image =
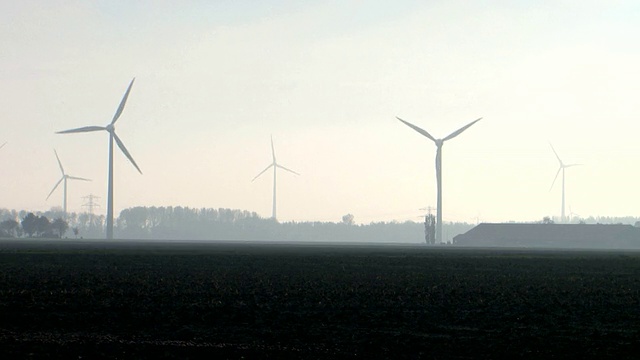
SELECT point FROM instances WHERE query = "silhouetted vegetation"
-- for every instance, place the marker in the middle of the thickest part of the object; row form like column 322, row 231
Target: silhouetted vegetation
column 348, row 219
column 29, row 224
column 547, row 220
column 59, row 227
column 32, row 225
column 12, row 224
column 228, row 224
column 184, row 223
column 10, row 228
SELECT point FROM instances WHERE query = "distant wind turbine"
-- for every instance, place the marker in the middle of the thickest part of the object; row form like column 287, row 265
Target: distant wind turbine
column 572, row 214
column 275, row 165
column 64, row 178
column 439, row 143
column 562, row 167
column 112, row 135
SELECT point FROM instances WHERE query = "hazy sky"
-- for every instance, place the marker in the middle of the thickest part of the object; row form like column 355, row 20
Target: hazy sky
column 214, row 79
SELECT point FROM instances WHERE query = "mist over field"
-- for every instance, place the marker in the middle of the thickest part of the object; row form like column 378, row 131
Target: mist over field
column 326, row 180
column 223, row 90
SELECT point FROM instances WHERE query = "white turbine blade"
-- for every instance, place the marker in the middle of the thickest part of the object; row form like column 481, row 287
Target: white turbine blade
column 1, row 146
column 555, row 178
column 421, row 131
column 122, row 103
column 262, row 172
column 459, row 131
column 273, row 151
column 59, row 163
column 83, row 129
column 557, row 157
column 570, row 165
column 124, row 150
column 284, row 168
column 55, row 187
column 78, row 178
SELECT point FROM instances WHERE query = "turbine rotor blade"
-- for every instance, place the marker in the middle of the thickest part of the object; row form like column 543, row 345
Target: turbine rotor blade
column 557, row 157
column 421, row 131
column 55, row 187
column 284, row 168
column 459, row 131
column 555, row 178
column 122, row 103
column 273, row 151
column 262, row 172
column 124, row 150
column 59, row 163
column 82, row 129
column 570, row 165
column 77, row 178
column 1, row 146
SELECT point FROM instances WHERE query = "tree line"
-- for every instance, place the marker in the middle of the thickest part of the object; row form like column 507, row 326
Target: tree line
column 49, row 224
column 33, row 226
column 184, row 223
column 175, row 223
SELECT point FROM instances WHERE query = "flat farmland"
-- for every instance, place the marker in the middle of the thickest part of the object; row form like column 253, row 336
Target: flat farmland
column 149, row 300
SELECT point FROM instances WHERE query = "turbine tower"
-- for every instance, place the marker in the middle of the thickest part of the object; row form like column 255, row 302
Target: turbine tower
column 439, row 143
column 64, row 178
column 112, row 136
column 275, row 165
column 561, row 168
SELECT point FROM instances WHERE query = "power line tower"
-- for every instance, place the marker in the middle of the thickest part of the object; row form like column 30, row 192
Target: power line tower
column 90, row 204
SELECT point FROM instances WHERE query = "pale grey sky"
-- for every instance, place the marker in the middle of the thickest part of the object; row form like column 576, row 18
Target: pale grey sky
column 215, row 79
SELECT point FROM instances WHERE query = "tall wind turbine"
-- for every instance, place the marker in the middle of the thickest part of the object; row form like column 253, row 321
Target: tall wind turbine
column 64, row 178
column 112, row 135
column 439, row 143
column 561, row 168
column 275, row 165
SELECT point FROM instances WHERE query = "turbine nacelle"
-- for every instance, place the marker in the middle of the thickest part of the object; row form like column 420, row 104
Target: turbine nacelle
column 560, row 169
column 63, row 180
column 439, row 143
column 110, row 128
column 274, row 164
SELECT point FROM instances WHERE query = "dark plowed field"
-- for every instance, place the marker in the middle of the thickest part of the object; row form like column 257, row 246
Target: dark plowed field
column 148, row 301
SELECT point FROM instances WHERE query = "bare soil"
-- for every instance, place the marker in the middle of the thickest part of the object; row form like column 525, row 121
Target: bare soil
column 191, row 300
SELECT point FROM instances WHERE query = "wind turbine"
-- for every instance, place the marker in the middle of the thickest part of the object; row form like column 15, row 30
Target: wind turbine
column 275, row 165
column 561, row 168
column 439, row 143
column 572, row 214
column 112, row 135
column 64, row 178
